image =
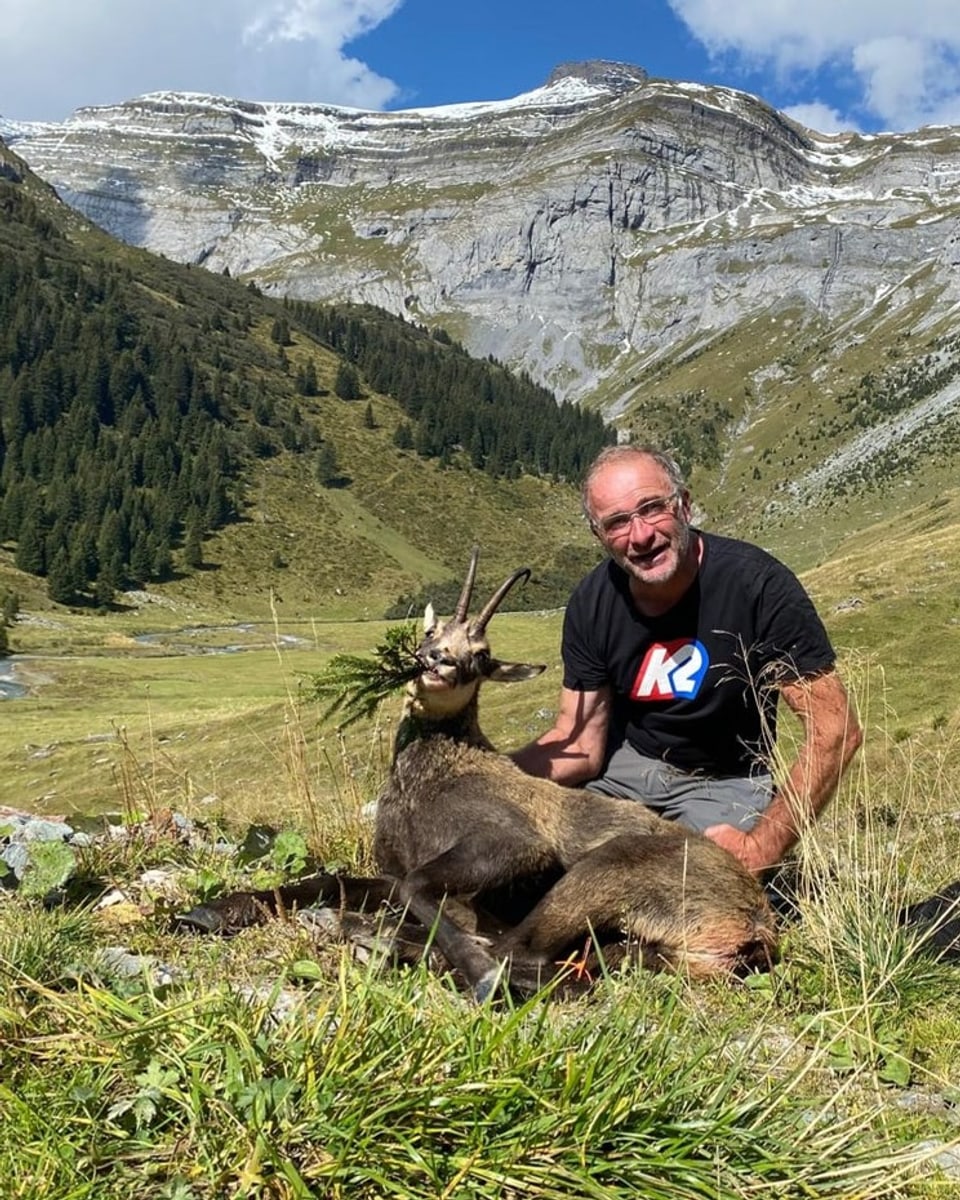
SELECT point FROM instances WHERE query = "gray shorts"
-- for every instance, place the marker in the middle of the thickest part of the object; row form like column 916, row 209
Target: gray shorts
column 697, row 801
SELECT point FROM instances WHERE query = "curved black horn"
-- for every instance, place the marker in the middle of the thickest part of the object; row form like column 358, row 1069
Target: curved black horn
column 491, row 606
column 463, row 604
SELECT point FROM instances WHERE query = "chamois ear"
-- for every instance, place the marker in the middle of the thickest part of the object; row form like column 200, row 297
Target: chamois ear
column 429, row 619
column 514, row 672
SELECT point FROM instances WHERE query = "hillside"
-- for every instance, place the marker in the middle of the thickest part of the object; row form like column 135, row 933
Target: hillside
column 162, row 426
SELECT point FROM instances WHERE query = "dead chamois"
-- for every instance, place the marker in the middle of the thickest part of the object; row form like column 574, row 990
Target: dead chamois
column 457, row 819
column 471, row 845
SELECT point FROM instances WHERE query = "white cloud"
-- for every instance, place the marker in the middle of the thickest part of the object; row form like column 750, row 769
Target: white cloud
column 60, row 54
column 818, row 116
column 902, row 56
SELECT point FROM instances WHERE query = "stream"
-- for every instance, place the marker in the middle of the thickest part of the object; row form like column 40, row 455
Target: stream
column 189, row 640
column 9, row 688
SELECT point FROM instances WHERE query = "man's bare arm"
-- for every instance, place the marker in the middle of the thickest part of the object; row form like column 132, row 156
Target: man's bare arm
column 573, row 750
column 831, row 737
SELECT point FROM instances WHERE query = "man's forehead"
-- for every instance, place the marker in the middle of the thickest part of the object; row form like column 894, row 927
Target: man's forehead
column 627, row 476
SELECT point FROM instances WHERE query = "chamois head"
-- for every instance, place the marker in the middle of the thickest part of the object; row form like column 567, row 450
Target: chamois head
column 455, row 654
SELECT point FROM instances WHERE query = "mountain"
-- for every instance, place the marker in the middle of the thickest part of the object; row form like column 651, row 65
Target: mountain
column 779, row 306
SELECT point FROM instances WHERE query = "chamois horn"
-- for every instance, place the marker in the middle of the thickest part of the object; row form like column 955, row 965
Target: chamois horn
column 463, row 604
column 480, row 624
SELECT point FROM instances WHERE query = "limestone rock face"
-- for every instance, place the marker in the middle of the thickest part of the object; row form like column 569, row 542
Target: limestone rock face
column 595, row 224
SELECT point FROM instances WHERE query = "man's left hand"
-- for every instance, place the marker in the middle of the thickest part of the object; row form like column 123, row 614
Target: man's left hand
column 742, row 844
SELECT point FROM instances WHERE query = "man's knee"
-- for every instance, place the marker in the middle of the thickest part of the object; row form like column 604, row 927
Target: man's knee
column 738, row 802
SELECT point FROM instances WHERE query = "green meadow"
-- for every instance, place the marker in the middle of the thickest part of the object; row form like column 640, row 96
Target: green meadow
column 274, row 1065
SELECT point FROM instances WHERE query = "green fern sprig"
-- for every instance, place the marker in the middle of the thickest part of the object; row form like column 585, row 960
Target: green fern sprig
column 354, row 686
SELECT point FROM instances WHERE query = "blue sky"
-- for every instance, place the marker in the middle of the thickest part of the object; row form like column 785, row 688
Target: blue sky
column 834, row 64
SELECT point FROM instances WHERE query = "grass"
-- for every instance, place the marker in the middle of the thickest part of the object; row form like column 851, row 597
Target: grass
column 213, row 728
column 269, row 1065
column 396, row 1088
column 273, row 1067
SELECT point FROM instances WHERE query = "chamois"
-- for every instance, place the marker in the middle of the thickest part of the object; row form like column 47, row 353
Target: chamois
column 459, row 827
column 456, row 819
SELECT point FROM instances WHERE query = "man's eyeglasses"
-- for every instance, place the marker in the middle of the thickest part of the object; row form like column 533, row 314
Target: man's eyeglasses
column 650, row 512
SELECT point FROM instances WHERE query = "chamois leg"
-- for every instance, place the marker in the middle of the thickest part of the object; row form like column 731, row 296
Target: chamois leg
column 688, row 903
column 227, row 914
column 470, row 866
column 383, row 938
column 490, row 854
column 463, row 951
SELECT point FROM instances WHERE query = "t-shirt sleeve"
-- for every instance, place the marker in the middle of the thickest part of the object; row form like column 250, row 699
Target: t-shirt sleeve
column 584, row 668
column 793, row 638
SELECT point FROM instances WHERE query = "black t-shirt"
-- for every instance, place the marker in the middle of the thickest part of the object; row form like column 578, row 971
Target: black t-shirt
column 697, row 686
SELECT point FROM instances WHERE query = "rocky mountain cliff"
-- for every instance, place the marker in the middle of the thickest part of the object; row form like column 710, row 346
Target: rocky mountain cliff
column 781, row 304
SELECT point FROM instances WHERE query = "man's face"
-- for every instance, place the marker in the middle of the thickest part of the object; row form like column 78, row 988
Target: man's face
column 640, row 518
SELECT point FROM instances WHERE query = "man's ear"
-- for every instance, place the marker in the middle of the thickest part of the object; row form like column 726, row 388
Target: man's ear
column 512, row 672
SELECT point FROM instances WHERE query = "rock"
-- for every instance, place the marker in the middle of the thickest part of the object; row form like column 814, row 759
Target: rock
column 944, row 1158
column 119, row 961
column 17, row 858
column 39, row 829
column 161, row 880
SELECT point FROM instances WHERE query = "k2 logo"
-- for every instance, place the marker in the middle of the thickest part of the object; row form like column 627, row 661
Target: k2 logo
column 671, row 671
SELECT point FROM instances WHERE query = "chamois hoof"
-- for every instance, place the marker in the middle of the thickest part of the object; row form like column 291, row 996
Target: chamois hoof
column 223, row 917
column 491, row 983
column 199, row 920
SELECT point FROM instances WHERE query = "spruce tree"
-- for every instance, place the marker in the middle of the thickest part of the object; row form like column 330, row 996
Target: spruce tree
column 347, row 383
column 30, row 555
column 280, row 333
column 60, row 579
column 193, row 546
column 307, row 382
column 9, row 607
column 327, row 468
column 103, row 591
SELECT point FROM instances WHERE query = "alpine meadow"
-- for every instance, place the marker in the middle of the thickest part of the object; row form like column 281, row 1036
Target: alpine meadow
column 267, row 375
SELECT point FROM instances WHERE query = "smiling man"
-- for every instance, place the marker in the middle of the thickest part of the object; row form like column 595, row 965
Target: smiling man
column 676, row 650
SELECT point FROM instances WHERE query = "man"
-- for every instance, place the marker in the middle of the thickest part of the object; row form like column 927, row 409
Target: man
column 675, row 650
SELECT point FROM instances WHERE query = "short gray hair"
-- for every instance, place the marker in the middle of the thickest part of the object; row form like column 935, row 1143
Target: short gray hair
column 609, row 454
